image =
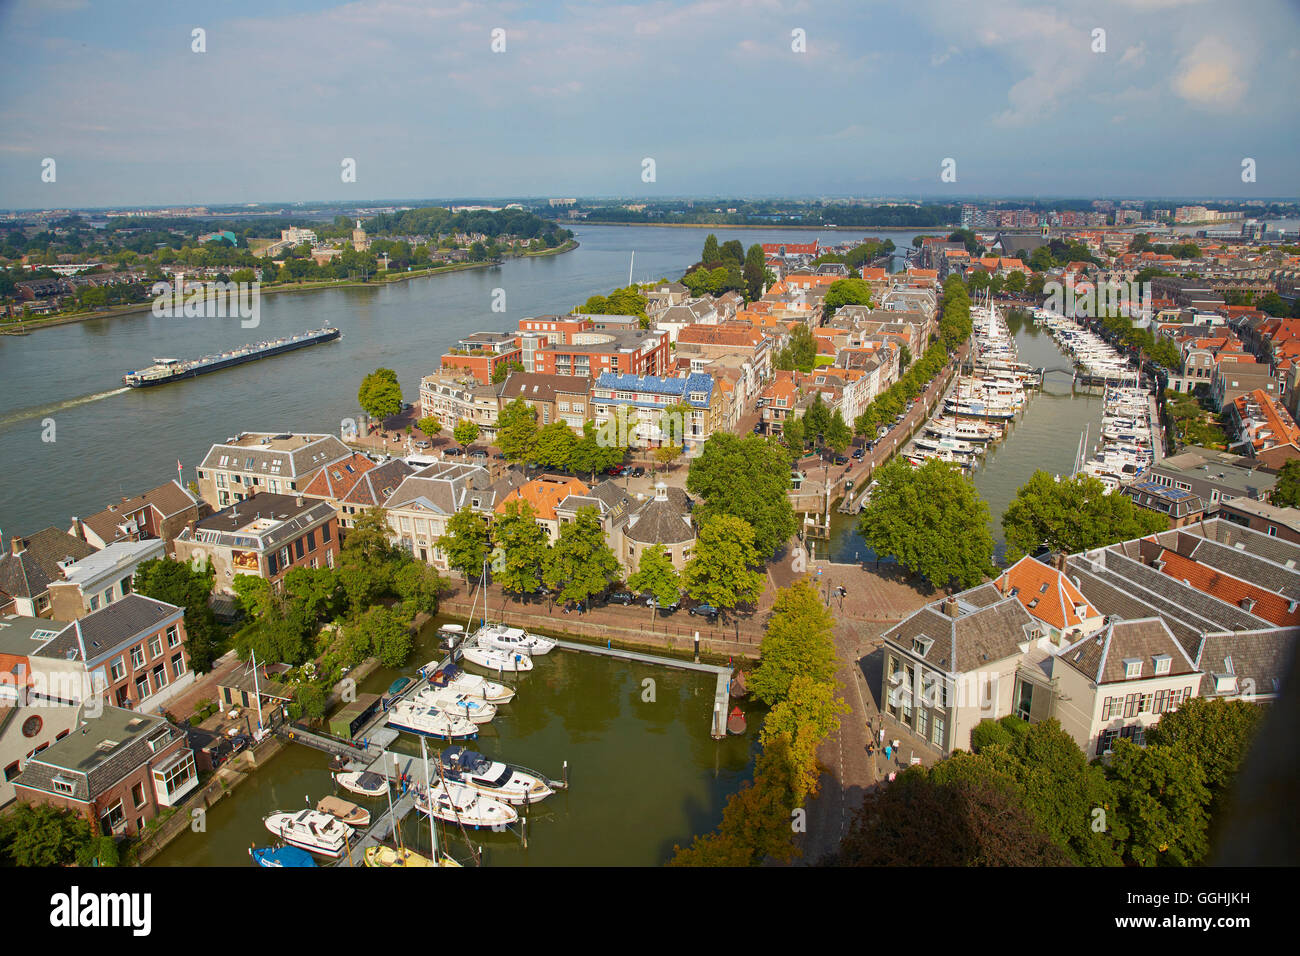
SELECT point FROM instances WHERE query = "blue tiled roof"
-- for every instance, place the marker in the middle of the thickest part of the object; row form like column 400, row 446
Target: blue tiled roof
column 658, row 384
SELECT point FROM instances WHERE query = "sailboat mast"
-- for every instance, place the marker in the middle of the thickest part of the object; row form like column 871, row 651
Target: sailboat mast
column 428, row 790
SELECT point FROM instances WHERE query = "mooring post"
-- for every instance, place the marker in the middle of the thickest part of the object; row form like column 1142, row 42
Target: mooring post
column 697, row 647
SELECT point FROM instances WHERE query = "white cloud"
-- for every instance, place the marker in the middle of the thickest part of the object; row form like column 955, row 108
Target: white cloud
column 1209, row 75
column 1137, row 55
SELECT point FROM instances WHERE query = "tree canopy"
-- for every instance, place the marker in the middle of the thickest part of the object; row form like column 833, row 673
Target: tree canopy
column 721, row 571
column 932, row 520
column 798, row 641
column 1072, row 515
column 380, row 396
column 746, row 477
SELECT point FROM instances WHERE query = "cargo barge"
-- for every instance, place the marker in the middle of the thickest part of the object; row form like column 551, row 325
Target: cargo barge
column 170, row 370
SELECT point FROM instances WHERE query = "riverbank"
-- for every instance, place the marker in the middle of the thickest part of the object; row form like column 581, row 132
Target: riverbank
column 766, row 225
column 135, row 308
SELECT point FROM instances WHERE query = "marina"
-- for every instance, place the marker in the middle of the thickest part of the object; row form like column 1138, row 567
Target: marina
column 584, row 706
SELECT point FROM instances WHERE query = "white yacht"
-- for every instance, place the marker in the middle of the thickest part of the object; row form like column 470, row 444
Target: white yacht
column 454, row 803
column 450, row 701
column 418, row 718
column 502, row 638
column 492, row 777
column 311, row 830
column 499, row 661
column 452, row 677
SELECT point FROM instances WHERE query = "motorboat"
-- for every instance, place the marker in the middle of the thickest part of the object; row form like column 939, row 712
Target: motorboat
column 363, row 783
column 311, row 830
column 450, row 701
column 402, row 856
column 455, row 803
column 416, row 718
column 964, row 430
column 277, row 857
column 450, row 635
column 492, row 777
column 499, row 661
column 502, row 638
column 953, row 445
column 452, row 677
column 345, row 810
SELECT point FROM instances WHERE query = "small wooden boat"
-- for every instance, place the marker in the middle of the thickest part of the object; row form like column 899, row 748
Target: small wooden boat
column 737, row 687
column 736, row 721
column 347, row 812
column 364, row 783
column 387, row 856
column 277, row 857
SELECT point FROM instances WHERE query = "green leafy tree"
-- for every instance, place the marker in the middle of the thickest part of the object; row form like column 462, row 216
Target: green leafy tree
column 1161, row 803
column 838, row 434
column 366, row 561
column 711, row 255
column 504, row 370
column 799, row 639
column 429, row 425
column 517, row 430
column 1286, row 493
column 809, row 712
column 581, row 564
column 555, row 446
column 799, row 352
column 755, row 272
column 189, row 586
column 1072, row 515
column 523, row 548
column 309, row 701
column 254, row 594
column 315, row 590
column 721, row 572
column 419, row 586
column 793, row 435
column 466, row 542
column 749, row 478
column 380, row 396
column 42, row 836
column 466, row 431
column 846, row 292
column 390, row 635
column 1218, row 733
column 656, row 575
column 932, row 520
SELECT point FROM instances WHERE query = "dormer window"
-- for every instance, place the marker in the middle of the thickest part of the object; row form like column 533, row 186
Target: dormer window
column 922, row 645
column 1132, row 668
column 1162, row 663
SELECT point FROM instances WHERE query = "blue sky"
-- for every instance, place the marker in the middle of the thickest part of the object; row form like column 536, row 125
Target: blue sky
column 712, row 90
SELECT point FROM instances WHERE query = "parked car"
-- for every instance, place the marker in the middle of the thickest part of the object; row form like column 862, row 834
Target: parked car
column 479, row 453
column 454, row 450
column 500, row 456
column 841, row 459
column 624, row 598
column 707, row 611
column 859, row 453
column 638, row 472
column 423, row 444
column 614, row 470
column 653, row 602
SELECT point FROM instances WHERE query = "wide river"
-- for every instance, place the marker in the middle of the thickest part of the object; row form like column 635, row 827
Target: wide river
column 65, row 383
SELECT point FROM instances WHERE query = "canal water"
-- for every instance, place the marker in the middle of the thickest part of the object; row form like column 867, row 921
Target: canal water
column 72, row 438
column 644, row 774
column 1046, row 436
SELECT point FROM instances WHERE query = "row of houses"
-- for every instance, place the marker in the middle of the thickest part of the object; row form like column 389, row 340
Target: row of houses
column 1105, row 641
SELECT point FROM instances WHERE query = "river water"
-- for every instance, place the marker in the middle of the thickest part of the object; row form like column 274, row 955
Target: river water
column 65, row 383
column 643, row 772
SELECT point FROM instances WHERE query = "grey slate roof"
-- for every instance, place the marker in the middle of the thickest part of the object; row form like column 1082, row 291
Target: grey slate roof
column 91, row 769
column 375, row 486
column 665, row 521
column 301, row 456
column 1100, row 657
column 102, row 632
column 988, row 628
column 29, row 573
column 1261, row 658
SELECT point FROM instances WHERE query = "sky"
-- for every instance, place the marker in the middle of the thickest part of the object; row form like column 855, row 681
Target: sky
column 727, row 97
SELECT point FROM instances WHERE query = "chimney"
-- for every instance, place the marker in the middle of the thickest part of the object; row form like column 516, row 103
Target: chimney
column 298, row 501
column 950, row 607
column 17, row 544
column 1058, row 561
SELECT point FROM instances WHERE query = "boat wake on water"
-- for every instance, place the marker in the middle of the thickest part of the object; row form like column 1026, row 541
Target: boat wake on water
column 49, row 408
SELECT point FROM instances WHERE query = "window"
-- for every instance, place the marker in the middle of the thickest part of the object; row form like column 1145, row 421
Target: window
column 1132, row 669
column 160, row 676
column 178, row 664
column 137, row 656
column 113, row 820
column 176, row 776
column 936, row 732
column 125, row 585
column 325, row 533
column 108, row 597
column 94, row 602
column 155, row 645
column 1162, row 663
column 137, row 795
column 299, row 547
column 11, row 771
column 311, row 540
column 63, row 784
column 1130, row 705
column 173, row 636
column 118, row 669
